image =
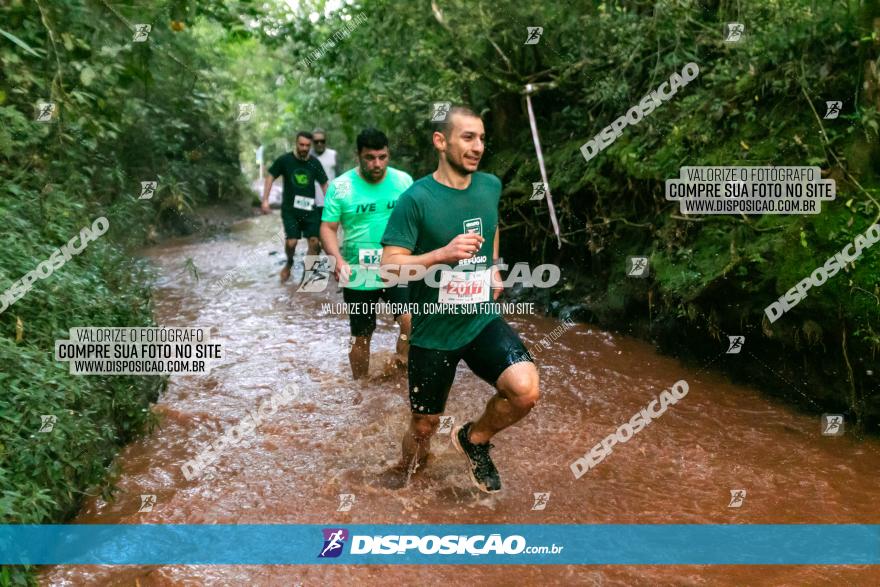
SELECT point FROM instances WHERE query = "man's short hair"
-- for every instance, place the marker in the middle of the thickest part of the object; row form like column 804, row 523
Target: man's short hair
column 304, row 133
column 319, row 131
column 371, row 138
column 445, row 126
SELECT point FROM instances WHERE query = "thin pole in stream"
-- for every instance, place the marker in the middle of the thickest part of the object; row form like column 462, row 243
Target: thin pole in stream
column 529, row 89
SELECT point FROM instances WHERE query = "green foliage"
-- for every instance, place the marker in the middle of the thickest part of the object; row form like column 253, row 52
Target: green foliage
column 126, row 112
column 759, row 102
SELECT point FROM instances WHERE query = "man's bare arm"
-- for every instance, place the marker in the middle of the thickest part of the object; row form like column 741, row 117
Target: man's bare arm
column 267, row 187
column 497, row 285
column 331, row 244
column 329, row 240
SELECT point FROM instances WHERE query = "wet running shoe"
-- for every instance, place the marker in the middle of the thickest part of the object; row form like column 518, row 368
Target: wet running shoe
column 480, row 466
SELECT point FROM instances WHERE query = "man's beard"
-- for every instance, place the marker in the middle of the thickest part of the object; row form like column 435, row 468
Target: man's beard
column 372, row 177
column 458, row 167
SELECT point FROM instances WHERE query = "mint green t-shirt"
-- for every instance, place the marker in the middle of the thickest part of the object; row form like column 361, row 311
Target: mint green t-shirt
column 363, row 209
column 427, row 216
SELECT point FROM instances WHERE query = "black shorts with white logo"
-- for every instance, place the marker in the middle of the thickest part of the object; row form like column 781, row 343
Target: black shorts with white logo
column 431, row 371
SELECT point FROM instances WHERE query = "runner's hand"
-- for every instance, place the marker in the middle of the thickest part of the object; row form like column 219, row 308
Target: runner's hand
column 342, row 271
column 264, row 208
column 464, row 246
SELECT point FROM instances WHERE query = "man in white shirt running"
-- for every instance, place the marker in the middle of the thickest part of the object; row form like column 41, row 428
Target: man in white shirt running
column 327, row 157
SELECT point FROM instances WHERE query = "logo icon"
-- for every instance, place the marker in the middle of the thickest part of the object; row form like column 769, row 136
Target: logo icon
column 346, row 500
column 733, row 32
column 334, row 540
column 47, row 423
column 46, row 111
column 147, row 503
column 832, row 424
column 141, row 32
column 539, row 190
column 832, row 109
column 637, row 267
column 474, row 225
column 343, row 188
column 439, row 111
column 446, row 424
column 148, row 189
column 245, row 112
column 737, row 498
column 316, row 278
column 541, row 500
column 534, row 35
column 736, row 344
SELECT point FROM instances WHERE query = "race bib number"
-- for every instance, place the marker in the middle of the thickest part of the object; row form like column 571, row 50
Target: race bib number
column 465, row 287
column 370, row 257
column 303, row 203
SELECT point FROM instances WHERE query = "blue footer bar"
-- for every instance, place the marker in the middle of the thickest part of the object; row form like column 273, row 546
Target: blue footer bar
column 294, row 544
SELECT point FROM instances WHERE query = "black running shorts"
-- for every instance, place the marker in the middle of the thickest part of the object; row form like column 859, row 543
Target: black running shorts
column 299, row 223
column 431, row 372
column 362, row 306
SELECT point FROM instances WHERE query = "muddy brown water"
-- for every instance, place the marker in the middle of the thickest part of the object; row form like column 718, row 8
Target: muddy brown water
column 338, row 436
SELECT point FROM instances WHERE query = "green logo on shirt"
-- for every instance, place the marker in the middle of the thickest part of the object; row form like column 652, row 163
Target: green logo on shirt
column 301, row 178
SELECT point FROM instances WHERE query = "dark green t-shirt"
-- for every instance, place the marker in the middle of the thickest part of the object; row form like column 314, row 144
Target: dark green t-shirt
column 299, row 181
column 428, row 215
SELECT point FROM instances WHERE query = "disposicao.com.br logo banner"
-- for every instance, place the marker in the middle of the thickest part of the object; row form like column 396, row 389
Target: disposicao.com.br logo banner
column 309, row 544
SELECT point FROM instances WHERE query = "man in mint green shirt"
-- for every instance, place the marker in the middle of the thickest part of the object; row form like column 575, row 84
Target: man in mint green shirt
column 361, row 201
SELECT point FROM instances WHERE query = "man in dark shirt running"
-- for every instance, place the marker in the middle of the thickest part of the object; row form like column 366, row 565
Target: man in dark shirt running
column 298, row 212
column 450, row 218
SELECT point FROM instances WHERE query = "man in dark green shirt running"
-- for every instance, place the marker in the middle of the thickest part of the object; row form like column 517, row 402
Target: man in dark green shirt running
column 299, row 214
column 450, row 218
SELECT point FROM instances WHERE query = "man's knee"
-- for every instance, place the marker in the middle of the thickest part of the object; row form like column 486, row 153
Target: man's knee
column 314, row 242
column 519, row 385
column 290, row 243
column 424, row 425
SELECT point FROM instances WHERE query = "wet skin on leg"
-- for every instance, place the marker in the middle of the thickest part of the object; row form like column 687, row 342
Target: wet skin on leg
column 289, row 248
column 314, row 249
column 416, row 444
column 359, row 356
column 516, row 396
column 405, row 323
column 417, row 439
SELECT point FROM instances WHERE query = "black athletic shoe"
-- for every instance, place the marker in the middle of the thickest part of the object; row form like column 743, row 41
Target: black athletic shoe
column 480, row 465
